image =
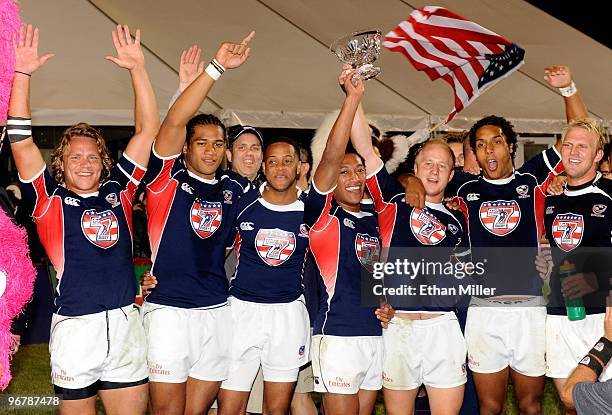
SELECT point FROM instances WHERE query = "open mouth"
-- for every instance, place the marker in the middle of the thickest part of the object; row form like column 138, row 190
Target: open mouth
column 492, row 164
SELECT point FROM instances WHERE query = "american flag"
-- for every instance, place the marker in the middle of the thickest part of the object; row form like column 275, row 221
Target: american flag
column 445, row 45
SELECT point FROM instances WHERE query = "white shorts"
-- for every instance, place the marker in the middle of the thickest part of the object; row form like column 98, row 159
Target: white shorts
column 109, row 346
column 184, row 342
column 273, row 336
column 346, row 364
column 430, row 352
column 498, row 337
column 567, row 342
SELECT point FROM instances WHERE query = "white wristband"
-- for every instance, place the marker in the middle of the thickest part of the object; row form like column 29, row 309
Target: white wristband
column 568, row 91
column 213, row 72
column 215, row 69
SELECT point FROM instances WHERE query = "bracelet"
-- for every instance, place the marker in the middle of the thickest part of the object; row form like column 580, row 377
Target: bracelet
column 592, row 364
column 215, row 69
column 602, row 350
column 18, row 129
column 569, row 90
column 23, row 73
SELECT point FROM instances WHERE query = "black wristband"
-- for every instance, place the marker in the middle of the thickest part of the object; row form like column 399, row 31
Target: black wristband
column 24, row 73
column 592, row 363
column 602, row 350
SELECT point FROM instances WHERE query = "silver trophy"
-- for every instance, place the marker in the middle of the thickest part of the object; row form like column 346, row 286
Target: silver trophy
column 359, row 49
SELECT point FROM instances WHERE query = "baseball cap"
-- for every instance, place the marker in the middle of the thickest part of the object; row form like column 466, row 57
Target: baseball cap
column 235, row 131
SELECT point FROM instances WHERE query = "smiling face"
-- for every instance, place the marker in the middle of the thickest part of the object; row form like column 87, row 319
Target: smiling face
column 246, row 155
column 434, row 167
column 580, row 155
column 493, row 152
column 82, row 165
column 281, row 166
column 351, row 182
column 205, row 151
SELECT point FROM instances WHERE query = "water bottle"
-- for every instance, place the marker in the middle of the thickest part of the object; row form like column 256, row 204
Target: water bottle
column 575, row 307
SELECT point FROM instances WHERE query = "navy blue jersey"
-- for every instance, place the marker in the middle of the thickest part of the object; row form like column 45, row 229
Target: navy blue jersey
column 509, row 213
column 88, row 238
column 579, row 227
column 342, row 244
column 191, row 222
column 271, row 247
column 402, row 226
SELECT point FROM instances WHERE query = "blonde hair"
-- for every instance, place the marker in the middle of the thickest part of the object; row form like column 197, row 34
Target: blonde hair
column 590, row 125
column 80, row 130
column 440, row 141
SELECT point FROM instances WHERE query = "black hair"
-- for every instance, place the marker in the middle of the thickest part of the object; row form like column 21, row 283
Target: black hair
column 204, row 119
column 351, row 150
column 506, row 127
column 287, row 140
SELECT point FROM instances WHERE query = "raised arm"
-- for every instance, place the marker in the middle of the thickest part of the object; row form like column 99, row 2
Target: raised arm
column 326, row 176
column 28, row 158
column 361, row 138
column 171, row 135
column 146, row 117
column 560, row 77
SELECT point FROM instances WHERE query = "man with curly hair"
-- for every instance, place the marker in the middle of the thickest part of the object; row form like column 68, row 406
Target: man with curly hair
column 83, row 214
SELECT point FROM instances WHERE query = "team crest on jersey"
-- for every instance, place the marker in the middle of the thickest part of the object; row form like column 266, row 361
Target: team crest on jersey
column 227, row 196
column 100, row 228
column 426, row 227
column 567, row 230
column 274, row 246
column 367, row 249
column 523, row 191
column 500, row 217
column 205, row 218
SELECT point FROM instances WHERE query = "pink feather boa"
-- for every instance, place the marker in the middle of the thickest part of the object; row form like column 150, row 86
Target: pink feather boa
column 9, row 25
column 17, row 269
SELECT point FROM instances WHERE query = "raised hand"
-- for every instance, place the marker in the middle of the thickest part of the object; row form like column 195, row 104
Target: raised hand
column 354, row 86
column 26, row 50
column 558, row 76
column 232, row 55
column 129, row 52
column 190, row 66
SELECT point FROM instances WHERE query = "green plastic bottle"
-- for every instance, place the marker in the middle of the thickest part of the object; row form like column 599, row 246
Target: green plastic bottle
column 575, row 307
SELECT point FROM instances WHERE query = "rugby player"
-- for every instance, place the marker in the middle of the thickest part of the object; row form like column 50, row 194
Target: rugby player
column 578, row 226
column 83, row 213
column 191, row 207
column 347, row 344
column 412, row 357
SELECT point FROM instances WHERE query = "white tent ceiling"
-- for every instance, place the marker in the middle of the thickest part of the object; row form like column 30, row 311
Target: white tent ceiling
column 290, row 79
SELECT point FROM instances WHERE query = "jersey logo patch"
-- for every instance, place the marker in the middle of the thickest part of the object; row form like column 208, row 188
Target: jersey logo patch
column 598, row 210
column 101, row 229
column 274, row 246
column 523, row 191
column 112, row 199
column 205, row 218
column 227, row 196
column 567, row 230
column 367, row 249
column 500, row 217
column 426, row 227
